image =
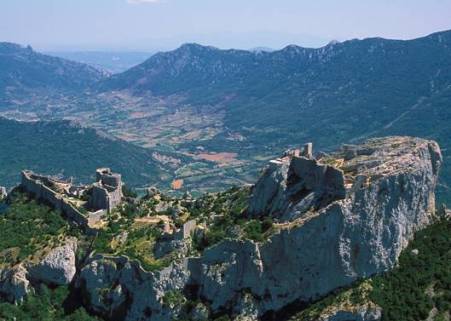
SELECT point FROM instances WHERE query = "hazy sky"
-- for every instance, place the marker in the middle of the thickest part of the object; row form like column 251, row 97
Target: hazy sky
column 164, row 24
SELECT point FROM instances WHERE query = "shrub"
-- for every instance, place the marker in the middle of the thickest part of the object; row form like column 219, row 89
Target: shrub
column 173, row 299
column 47, row 305
column 129, row 192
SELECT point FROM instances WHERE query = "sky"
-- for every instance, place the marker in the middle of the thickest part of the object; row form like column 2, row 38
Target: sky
column 150, row 25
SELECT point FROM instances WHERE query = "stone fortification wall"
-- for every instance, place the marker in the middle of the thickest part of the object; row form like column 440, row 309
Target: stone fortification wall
column 34, row 186
column 74, row 215
column 113, row 180
column 99, row 198
column 107, row 191
column 107, row 177
column 115, row 198
column 187, row 229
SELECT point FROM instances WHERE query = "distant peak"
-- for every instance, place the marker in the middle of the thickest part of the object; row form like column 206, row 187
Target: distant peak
column 13, row 47
column 333, row 43
column 294, row 49
column 262, row 49
column 195, row 47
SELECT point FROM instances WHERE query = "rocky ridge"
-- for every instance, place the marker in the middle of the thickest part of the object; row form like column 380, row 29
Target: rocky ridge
column 358, row 235
column 58, row 267
column 338, row 218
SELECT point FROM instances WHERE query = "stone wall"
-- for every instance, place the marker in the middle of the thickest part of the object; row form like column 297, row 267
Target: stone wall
column 99, row 198
column 42, row 192
column 292, row 186
column 115, row 198
column 74, row 215
column 186, row 230
column 107, row 191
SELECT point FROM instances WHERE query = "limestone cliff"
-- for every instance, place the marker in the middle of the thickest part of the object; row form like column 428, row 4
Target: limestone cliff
column 14, row 285
column 389, row 196
column 119, row 289
column 58, row 267
column 339, row 218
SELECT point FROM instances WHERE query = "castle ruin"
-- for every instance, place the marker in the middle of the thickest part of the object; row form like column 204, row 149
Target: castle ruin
column 83, row 205
column 106, row 192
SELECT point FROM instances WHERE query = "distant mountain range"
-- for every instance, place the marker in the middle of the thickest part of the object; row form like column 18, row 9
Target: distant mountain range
column 258, row 103
column 24, row 71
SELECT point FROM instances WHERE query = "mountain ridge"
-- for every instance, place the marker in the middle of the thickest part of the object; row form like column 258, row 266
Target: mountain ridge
column 162, row 258
column 25, row 73
column 203, row 100
column 196, row 49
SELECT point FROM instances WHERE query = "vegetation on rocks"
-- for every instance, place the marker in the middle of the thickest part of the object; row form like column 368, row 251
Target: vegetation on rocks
column 46, row 305
column 224, row 215
column 418, row 288
column 122, row 236
column 28, row 229
column 422, row 281
column 173, row 299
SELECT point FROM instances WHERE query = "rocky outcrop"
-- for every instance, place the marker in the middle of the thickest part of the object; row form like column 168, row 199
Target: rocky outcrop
column 200, row 312
column 3, row 193
column 291, row 186
column 341, row 218
column 120, row 289
column 389, row 195
column 354, row 304
column 14, row 285
column 58, row 266
column 164, row 247
column 359, row 315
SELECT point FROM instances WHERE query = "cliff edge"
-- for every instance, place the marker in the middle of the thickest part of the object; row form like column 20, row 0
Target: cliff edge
column 338, row 218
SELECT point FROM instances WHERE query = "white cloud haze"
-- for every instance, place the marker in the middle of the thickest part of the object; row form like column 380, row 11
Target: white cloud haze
column 153, row 25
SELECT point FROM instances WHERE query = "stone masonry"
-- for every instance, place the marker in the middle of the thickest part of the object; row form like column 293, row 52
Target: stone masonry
column 106, row 191
column 39, row 187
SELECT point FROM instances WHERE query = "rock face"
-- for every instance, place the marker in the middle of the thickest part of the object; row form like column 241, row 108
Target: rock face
column 121, row 290
column 291, row 186
column 3, row 193
column 317, row 251
column 14, row 285
column 360, row 315
column 340, row 218
column 58, row 267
